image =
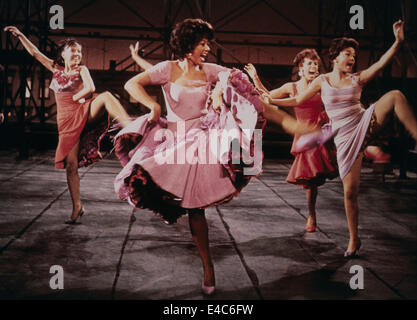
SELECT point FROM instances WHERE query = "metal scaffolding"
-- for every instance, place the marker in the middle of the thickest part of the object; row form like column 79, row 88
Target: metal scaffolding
column 32, row 17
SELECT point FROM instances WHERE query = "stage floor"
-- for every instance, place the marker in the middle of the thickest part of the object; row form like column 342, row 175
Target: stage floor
column 258, row 242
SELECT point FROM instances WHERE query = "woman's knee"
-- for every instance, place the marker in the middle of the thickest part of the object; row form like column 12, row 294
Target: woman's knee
column 71, row 167
column 107, row 96
column 351, row 193
column 397, row 95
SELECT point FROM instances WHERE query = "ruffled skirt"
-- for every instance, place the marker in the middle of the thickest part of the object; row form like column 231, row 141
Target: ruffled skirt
column 312, row 167
column 173, row 167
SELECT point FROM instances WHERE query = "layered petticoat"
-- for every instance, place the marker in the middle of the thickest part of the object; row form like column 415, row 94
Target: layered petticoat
column 170, row 167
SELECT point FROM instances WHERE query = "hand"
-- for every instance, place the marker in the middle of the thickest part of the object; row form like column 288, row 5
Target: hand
column 250, row 69
column 1, row 118
column 217, row 99
column 155, row 114
column 79, row 100
column 15, row 31
column 398, row 28
column 134, row 50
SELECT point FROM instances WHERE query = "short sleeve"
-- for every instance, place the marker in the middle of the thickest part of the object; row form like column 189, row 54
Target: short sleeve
column 160, row 73
column 212, row 71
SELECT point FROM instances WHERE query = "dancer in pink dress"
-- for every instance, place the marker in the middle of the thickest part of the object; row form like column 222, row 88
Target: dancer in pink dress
column 172, row 165
column 311, row 167
column 354, row 126
column 82, row 121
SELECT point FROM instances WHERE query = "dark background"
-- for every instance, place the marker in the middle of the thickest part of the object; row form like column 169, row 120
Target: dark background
column 267, row 33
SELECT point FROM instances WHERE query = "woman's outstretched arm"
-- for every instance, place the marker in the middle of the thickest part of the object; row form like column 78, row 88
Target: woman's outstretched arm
column 313, row 89
column 31, row 48
column 134, row 51
column 367, row 75
column 251, row 70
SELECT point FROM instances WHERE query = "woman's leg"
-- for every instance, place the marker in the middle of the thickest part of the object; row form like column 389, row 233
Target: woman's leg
column 395, row 101
column 73, row 180
column 351, row 190
column 106, row 101
column 288, row 123
column 311, row 194
column 199, row 232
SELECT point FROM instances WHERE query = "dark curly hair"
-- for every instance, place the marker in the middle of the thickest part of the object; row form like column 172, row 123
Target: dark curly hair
column 187, row 34
column 340, row 44
column 61, row 47
column 299, row 60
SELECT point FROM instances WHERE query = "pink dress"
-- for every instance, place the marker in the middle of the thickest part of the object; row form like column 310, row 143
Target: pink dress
column 312, row 167
column 171, row 166
column 348, row 117
column 72, row 118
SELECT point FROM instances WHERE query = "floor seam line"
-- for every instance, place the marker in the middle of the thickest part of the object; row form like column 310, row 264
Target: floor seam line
column 250, row 273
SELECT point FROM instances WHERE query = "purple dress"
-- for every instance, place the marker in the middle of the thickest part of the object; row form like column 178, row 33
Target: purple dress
column 347, row 115
column 171, row 166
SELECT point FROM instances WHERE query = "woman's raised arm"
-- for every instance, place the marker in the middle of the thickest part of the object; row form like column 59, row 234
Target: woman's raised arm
column 367, row 75
column 31, row 48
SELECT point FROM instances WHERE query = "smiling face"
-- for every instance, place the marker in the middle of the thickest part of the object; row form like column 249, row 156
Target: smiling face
column 346, row 59
column 72, row 55
column 309, row 69
column 200, row 52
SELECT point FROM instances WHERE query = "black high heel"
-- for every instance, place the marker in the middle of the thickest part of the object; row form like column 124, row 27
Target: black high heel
column 354, row 253
column 80, row 214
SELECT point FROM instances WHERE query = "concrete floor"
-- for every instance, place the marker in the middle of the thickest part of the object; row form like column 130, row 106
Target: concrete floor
column 258, row 243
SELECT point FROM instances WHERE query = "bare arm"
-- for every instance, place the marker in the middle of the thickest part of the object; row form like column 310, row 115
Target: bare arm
column 367, row 75
column 135, row 87
column 145, row 65
column 88, row 85
column 281, row 92
column 251, row 70
column 313, row 89
column 31, row 48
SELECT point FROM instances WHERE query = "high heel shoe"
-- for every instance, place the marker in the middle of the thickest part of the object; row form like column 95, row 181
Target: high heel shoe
column 376, row 154
column 80, row 214
column 313, row 139
column 311, row 227
column 354, row 253
column 207, row 290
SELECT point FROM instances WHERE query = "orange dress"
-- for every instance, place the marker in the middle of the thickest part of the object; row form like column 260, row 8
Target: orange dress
column 312, row 167
column 71, row 120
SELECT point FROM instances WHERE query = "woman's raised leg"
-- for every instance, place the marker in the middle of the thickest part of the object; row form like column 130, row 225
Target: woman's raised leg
column 107, row 102
column 395, row 101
